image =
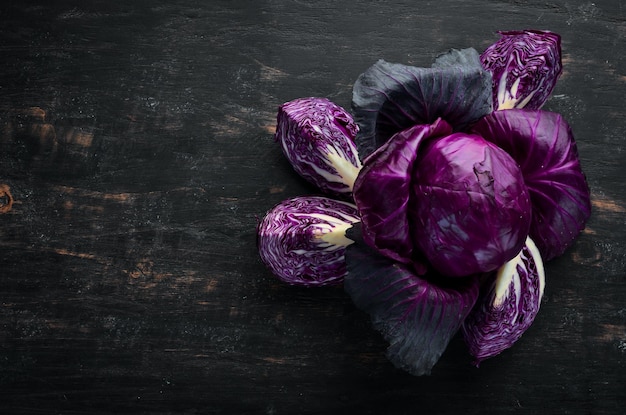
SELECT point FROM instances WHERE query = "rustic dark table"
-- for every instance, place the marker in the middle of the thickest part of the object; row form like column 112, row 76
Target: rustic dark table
column 136, row 156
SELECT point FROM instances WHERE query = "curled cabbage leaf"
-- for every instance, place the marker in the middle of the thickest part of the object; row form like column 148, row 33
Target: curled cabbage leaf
column 385, row 214
column 317, row 137
column 417, row 315
column 543, row 145
column 302, row 240
column 525, row 66
column 390, row 97
column 507, row 305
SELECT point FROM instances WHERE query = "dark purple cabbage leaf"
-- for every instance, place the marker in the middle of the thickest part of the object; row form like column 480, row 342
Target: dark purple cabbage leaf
column 543, row 145
column 390, row 97
column 525, row 66
column 417, row 316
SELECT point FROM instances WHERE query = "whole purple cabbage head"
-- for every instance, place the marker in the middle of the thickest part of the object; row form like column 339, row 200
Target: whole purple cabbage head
column 317, row 137
column 302, row 240
column 453, row 201
column 507, row 306
column 525, row 66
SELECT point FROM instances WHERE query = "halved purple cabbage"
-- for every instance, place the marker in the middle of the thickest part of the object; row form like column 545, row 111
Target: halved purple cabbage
column 416, row 315
column 508, row 304
column 543, row 145
column 454, row 199
column 388, row 98
column 317, row 137
column 525, row 66
column 302, row 240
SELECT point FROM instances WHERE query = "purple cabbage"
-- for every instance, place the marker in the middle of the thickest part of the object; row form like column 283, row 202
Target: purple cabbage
column 543, row 145
column 415, row 314
column 317, row 137
column 525, row 66
column 454, row 199
column 450, row 193
column 508, row 304
column 388, row 98
column 302, row 240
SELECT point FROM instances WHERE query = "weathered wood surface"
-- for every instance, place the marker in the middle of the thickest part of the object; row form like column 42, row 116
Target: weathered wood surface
column 136, row 155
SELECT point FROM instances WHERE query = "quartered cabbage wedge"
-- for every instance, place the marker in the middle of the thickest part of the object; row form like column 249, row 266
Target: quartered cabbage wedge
column 302, row 240
column 317, row 137
column 525, row 66
column 507, row 306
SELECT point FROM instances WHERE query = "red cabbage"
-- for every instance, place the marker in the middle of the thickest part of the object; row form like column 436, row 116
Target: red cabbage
column 456, row 200
column 451, row 193
column 470, row 209
column 317, row 137
column 525, row 66
column 507, row 306
column 543, row 145
column 302, row 240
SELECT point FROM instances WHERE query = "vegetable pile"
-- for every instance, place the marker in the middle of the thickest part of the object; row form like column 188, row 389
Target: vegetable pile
column 446, row 189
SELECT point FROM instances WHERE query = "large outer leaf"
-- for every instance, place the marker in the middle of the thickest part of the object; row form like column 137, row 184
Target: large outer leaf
column 416, row 316
column 388, row 98
column 385, row 213
column 543, row 145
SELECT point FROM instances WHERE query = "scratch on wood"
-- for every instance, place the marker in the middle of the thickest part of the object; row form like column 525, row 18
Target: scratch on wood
column 6, row 199
column 269, row 73
column 77, row 137
column 276, row 189
column 82, row 255
column 211, row 285
column 62, row 251
column 56, row 324
column 274, row 360
column 607, row 205
column 145, row 274
column 143, row 268
column 97, row 209
column 270, row 128
column 589, row 231
column 612, row 332
column 36, row 113
column 118, row 197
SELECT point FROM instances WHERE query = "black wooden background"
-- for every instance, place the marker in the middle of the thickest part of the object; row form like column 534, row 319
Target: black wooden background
column 136, row 156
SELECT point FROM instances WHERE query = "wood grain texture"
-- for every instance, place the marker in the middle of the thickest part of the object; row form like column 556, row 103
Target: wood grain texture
column 136, row 156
